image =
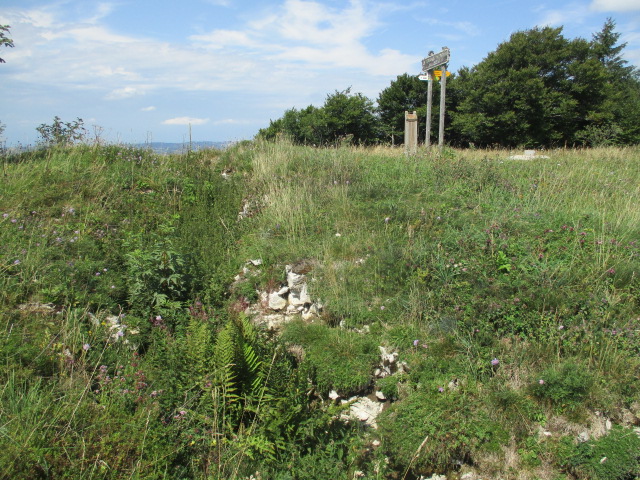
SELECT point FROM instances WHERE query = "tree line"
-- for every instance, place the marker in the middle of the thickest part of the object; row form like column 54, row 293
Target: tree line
column 538, row 89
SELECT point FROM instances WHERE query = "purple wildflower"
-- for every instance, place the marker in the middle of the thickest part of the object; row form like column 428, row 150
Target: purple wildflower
column 495, row 362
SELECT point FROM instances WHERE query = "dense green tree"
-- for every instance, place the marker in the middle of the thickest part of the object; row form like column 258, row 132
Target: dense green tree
column 409, row 93
column 343, row 117
column 4, row 40
column 405, row 93
column 304, row 126
column 350, row 116
column 621, row 124
column 605, row 48
column 536, row 89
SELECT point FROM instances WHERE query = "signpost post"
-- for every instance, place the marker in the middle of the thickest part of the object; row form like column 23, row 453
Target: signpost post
column 429, row 64
column 443, row 90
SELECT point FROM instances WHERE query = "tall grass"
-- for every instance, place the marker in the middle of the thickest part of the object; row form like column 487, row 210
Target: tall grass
column 126, row 354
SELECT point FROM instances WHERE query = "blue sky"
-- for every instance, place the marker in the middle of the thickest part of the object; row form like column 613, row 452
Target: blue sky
column 142, row 70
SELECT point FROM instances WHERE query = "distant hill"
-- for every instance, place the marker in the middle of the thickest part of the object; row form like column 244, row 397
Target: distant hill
column 163, row 147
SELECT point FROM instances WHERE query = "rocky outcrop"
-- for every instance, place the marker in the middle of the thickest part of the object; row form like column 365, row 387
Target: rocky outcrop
column 365, row 409
column 289, row 302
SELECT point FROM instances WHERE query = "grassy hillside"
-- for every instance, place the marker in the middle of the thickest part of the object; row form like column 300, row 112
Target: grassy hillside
column 509, row 288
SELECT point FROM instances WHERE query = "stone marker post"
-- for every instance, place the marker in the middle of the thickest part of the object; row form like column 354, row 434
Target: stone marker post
column 410, row 133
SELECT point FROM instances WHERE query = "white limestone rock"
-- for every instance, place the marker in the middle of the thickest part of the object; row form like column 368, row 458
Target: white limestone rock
column 366, row 411
column 276, row 302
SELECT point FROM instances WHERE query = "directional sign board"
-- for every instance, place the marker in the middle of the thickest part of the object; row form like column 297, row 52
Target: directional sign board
column 423, row 77
column 436, row 60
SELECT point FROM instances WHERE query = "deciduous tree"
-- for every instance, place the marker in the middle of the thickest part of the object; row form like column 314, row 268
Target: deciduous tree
column 536, row 89
column 4, row 40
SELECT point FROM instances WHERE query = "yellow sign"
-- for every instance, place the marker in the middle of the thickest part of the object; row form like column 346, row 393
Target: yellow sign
column 438, row 73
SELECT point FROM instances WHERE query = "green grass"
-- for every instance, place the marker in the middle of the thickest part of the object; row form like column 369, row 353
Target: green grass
column 475, row 256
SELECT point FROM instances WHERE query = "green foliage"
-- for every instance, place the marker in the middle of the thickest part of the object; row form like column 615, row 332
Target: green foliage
column 432, row 431
column 536, row 89
column 475, row 257
column 612, row 457
column 4, row 40
column 405, row 93
column 62, row 134
column 343, row 119
column 608, row 53
column 565, row 386
column 338, row 360
column 156, row 279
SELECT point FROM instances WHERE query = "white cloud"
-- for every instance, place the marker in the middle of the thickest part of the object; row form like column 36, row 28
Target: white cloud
column 292, row 54
column 225, row 38
column 615, row 5
column 150, row 108
column 125, row 92
column 308, row 34
column 572, row 13
column 186, row 121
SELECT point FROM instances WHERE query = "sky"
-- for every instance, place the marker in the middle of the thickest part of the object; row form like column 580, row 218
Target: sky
column 137, row 71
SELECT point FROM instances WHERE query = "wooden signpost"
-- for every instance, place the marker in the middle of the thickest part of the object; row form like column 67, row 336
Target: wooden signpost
column 429, row 64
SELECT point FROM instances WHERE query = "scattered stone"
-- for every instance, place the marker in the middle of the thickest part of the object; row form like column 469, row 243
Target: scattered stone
column 627, row 417
column 583, row 437
column 276, row 302
column 364, row 410
column 300, row 296
column 380, row 396
column 308, row 315
column 294, row 279
column 291, row 310
column 333, row 395
column 283, row 291
column 274, row 322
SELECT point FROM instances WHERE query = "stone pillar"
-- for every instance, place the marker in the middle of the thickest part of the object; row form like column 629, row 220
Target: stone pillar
column 410, row 133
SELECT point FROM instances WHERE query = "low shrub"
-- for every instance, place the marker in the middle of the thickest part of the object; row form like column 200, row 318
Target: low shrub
column 565, row 386
column 613, row 457
column 437, row 431
column 341, row 360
